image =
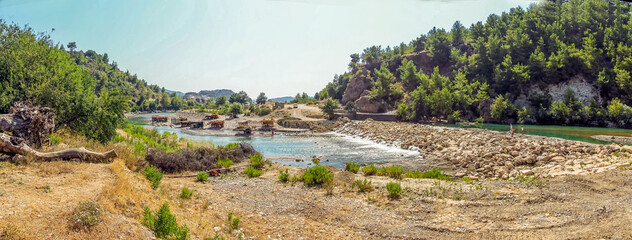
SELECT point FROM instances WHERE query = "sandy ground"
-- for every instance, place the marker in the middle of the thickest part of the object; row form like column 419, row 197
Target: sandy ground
column 569, row 207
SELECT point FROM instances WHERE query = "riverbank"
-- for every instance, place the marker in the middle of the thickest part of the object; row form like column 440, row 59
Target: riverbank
column 480, row 154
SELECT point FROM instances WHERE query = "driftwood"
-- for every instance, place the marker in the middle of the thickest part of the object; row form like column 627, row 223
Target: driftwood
column 34, row 124
column 15, row 145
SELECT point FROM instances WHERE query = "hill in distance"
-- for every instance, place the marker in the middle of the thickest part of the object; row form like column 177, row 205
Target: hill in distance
column 206, row 94
column 281, row 99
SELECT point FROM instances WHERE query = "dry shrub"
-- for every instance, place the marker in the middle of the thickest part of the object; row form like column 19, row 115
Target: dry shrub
column 202, row 158
column 85, row 216
column 13, row 232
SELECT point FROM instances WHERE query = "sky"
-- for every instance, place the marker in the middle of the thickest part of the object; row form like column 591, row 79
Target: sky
column 279, row 47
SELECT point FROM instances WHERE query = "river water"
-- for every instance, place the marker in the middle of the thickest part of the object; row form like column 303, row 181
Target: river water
column 333, row 149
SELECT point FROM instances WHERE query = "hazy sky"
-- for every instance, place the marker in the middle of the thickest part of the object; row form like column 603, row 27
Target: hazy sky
column 280, row 47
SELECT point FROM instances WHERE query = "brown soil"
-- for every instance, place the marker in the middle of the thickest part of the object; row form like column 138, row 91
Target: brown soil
column 570, row 207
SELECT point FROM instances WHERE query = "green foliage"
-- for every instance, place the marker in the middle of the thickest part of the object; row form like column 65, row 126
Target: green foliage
column 252, row 172
column 369, row 170
column 256, row 161
column 404, row 112
column 394, row 190
column 202, row 176
column 233, row 222
column 329, row 106
column 395, row 172
column 317, row 175
column 352, row 167
column 501, row 108
column 54, row 140
column 364, row 185
column 153, row 175
column 264, row 110
column 316, row 161
column 186, row 193
column 151, row 138
column 86, row 215
column 262, row 99
column 224, row 162
column 433, row 173
column 232, row 145
column 236, row 108
column 241, row 97
column 164, row 224
column 283, row 175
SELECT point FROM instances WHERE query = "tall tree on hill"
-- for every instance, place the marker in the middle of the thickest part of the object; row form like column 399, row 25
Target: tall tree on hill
column 262, row 99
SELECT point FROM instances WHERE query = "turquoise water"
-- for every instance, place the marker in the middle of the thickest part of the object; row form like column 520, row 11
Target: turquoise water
column 333, row 149
column 566, row 132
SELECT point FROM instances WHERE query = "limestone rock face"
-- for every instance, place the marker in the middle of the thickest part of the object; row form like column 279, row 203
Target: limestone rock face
column 358, row 83
column 364, row 104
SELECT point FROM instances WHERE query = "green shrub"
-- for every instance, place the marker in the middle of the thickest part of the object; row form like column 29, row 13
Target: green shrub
column 232, row 145
column 369, row 170
column 317, row 175
column 153, row 175
column 202, row 176
column 186, row 193
column 256, row 161
column 316, row 161
column 364, row 185
column 392, row 171
column 233, row 222
column 86, row 215
column 433, row 173
column 54, row 140
column 265, row 110
column 164, row 224
column 225, row 162
column 394, row 190
column 284, row 176
column 252, row 172
column 352, row 167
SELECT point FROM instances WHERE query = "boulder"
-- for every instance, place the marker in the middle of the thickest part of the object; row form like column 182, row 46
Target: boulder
column 364, row 104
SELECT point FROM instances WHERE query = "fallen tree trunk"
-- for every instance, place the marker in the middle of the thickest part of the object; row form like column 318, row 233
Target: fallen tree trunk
column 33, row 124
column 15, row 145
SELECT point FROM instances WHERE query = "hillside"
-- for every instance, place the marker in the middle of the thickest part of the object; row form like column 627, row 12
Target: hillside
column 281, row 99
column 207, row 94
column 565, row 62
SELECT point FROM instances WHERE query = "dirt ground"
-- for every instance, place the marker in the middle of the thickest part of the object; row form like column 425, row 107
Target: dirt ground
column 568, row 207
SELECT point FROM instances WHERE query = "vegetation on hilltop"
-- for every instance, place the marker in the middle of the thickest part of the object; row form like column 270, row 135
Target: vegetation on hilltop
column 481, row 71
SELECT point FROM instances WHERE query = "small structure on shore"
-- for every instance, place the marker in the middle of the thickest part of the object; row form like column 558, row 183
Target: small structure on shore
column 279, row 105
column 216, row 124
column 178, row 120
column 197, row 124
column 244, row 126
column 157, row 119
column 211, row 117
column 267, row 123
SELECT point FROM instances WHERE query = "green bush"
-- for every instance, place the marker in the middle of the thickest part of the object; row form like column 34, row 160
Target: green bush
column 252, row 172
column 284, row 176
column 256, row 161
column 394, row 190
column 153, row 175
column 202, row 176
column 317, row 175
column 433, row 173
column 392, row 171
column 186, row 193
column 369, row 170
column 316, row 161
column 232, row 145
column 54, row 140
column 265, row 110
column 364, row 185
column 86, row 215
column 225, row 162
column 233, row 222
column 164, row 224
column 352, row 167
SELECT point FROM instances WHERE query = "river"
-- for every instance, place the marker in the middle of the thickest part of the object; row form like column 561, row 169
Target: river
column 332, row 148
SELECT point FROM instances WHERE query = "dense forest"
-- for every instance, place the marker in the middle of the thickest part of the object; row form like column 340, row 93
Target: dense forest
column 496, row 70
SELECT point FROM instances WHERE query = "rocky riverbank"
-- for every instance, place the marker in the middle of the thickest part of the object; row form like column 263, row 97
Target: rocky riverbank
column 479, row 153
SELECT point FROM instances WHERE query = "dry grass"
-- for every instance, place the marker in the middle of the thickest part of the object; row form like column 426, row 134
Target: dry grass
column 13, row 232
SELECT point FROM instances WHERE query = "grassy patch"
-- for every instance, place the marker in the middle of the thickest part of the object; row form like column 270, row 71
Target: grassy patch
column 364, row 185
column 352, row 167
column 86, row 215
column 284, row 176
column 164, row 224
column 433, row 173
column 186, row 193
column 202, row 176
column 394, row 190
column 369, row 170
column 224, row 162
column 153, row 175
column 395, row 172
column 233, row 222
column 317, row 175
column 256, row 161
column 252, row 172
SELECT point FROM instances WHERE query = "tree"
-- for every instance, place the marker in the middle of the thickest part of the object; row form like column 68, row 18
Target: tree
column 235, row 109
column 72, row 46
column 329, row 106
column 501, row 108
column 355, row 58
column 240, row 97
column 220, row 101
column 261, row 99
